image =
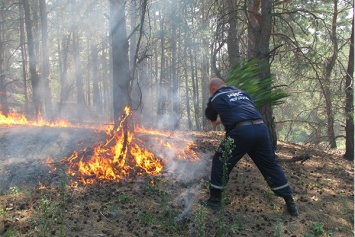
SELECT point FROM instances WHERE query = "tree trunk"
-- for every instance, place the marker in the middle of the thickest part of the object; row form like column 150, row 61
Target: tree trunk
column 330, row 63
column 175, row 115
column 161, row 87
column 205, row 78
column 45, row 65
column 187, row 88
column 79, row 84
column 232, row 40
column 89, row 69
column 63, row 49
column 120, row 60
column 349, row 101
column 107, row 93
column 133, row 38
column 259, row 31
column 35, row 79
column 95, row 82
column 195, row 90
column 80, row 97
column 3, row 94
column 24, row 58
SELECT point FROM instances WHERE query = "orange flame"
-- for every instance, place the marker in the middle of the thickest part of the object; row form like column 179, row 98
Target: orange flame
column 122, row 154
column 20, row 119
column 115, row 159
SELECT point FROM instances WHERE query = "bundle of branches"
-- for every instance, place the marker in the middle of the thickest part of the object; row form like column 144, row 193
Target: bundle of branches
column 245, row 75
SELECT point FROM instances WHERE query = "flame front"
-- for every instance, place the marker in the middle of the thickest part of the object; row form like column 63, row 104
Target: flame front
column 117, row 158
column 122, row 154
column 20, row 119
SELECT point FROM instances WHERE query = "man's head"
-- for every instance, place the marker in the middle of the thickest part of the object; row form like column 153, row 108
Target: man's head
column 216, row 84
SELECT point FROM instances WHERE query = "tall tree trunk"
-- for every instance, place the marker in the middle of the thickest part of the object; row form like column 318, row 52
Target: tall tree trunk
column 3, row 94
column 349, row 101
column 107, row 95
column 63, row 49
column 35, row 79
column 196, row 90
column 161, row 87
column 175, row 115
column 120, row 60
column 330, row 62
column 205, row 78
column 87, row 82
column 23, row 58
column 63, row 42
column 206, row 65
column 45, row 62
column 95, row 81
column 232, row 40
column 259, row 31
column 80, row 97
column 133, row 38
column 187, row 88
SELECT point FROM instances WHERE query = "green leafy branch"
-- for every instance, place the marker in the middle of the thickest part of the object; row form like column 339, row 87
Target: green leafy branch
column 245, row 75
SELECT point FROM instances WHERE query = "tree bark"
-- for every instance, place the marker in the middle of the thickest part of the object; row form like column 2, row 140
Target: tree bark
column 330, row 63
column 176, row 114
column 120, row 60
column 3, row 94
column 259, row 31
column 161, row 87
column 232, row 38
column 80, row 97
column 23, row 58
column 187, row 88
column 349, row 101
column 45, row 62
column 35, row 79
column 95, row 81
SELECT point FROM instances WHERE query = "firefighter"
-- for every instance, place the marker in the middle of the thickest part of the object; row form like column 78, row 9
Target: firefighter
column 243, row 123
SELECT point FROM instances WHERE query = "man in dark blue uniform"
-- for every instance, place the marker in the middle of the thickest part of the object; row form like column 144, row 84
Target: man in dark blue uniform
column 243, row 123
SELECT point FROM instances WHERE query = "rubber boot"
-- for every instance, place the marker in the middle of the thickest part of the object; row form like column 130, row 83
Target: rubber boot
column 214, row 201
column 291, row 206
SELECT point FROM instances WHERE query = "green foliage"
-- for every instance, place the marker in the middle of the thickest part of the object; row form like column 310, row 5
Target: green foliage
column 226, row 155
column 245, row 75
column 200, row 220
column 317, row 229
column 278, row 231
column 235, row 229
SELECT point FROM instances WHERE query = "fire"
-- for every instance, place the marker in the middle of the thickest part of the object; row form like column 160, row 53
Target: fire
column 20, row 119
column 13, row 118
column 123, row 154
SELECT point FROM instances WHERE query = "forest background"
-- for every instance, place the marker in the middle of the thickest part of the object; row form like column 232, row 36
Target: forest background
column 86, row 60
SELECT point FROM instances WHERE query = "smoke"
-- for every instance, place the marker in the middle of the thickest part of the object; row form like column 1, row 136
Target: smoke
column 191, row 174
column 25, row 150
column 188, row 197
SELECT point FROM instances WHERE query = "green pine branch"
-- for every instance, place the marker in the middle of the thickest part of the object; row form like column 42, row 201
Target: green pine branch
column 245, row 75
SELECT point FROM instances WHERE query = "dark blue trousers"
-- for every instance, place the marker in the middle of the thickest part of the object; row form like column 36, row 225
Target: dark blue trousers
column 253, row 140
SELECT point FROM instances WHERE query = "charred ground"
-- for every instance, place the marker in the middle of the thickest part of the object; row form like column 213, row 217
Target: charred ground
column 166, row 205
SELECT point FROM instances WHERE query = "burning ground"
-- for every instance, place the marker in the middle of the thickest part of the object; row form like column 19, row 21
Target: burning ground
column 45, row 192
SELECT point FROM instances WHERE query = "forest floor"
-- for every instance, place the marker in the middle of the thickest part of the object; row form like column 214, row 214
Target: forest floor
column 37, row 201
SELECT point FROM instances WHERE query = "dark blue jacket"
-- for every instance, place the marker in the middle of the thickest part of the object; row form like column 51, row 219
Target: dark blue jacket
column 232, row 105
